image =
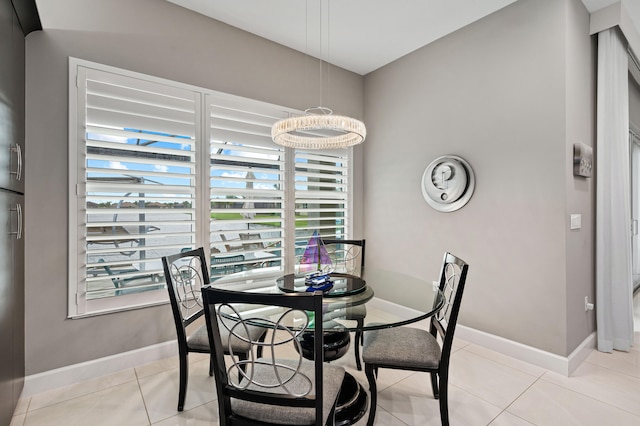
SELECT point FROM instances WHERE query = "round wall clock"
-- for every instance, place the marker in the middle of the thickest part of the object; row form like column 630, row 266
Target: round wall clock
column 448, row 183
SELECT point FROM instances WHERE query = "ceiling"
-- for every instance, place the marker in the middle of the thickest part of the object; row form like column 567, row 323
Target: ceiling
column 359, row 35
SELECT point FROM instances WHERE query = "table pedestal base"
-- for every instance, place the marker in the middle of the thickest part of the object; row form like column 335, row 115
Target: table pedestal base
column 352, row 402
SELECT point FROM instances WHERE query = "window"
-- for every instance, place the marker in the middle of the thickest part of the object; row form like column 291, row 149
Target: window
column 247, row 188
column 157, row 167
column 321, row 194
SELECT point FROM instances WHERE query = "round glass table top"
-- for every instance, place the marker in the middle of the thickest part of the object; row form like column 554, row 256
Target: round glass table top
column 343, row 284
column 355, row 308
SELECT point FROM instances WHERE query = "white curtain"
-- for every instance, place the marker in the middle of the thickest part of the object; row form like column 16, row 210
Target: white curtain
column 614, row 302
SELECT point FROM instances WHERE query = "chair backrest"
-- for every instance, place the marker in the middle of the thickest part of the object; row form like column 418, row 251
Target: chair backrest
column 347, row 255
column 287, row 385
column 452, row 281
column 186, row 273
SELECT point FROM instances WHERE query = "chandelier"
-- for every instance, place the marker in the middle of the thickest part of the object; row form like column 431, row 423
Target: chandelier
column 318, row 128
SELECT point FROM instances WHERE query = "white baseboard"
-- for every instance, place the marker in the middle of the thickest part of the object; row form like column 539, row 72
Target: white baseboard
column 71, row 374
column 535, row 356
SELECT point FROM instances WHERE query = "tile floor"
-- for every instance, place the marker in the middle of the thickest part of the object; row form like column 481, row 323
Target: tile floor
column 486, row 388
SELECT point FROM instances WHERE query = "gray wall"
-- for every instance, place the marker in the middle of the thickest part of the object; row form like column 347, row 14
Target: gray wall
column 163, row 40
column 580, row 127
column 510, row 94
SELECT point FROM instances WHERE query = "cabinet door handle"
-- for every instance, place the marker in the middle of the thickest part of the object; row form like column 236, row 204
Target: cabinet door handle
column 18, row 233
column 18, row 172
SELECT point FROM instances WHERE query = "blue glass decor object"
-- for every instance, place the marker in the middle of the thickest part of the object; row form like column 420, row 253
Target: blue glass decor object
column 324, row 287
column 318, row 280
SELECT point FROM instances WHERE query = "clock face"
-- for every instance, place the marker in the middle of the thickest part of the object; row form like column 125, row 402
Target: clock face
column 448, row 183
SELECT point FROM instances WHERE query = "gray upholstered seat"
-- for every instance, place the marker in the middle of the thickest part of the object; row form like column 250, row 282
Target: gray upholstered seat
column 419, row 348
column 332, row 380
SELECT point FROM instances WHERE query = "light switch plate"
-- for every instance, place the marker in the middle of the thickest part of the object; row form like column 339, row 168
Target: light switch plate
column 576, row 221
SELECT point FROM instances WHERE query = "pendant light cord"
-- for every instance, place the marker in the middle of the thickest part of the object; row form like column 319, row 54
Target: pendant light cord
column 321, row 53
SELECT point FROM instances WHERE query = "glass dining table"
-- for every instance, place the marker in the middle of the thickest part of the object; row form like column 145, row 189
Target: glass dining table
column 349, row 305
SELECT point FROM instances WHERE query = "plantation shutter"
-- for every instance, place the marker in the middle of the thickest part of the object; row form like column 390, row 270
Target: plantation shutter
column 139, row 180
column 247, row 187
column 157, row 167
column 321, row 194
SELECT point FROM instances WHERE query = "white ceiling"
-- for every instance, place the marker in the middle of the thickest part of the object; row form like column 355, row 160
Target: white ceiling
column 359, row 35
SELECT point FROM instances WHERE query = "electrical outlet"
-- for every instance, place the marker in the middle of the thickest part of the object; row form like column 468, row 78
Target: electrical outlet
column 587, row 306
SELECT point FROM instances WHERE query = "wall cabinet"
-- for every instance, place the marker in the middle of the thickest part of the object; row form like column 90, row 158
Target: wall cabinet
column 12, row 62
column 11, row 302
column 12, row 138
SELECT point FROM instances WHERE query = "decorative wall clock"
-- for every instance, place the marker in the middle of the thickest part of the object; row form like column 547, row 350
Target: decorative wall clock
column 448, row 183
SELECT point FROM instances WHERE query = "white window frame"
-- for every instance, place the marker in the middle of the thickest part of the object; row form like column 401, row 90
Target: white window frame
column 78, row 306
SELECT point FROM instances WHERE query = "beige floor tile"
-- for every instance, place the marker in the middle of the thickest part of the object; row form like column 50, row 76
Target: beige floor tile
column 156, row 367
column 388, row 377
column 424, row 324
column 204, row 415
column 507, row 419
column 118, row 406
column 408, row 402
column 167, row 364
column 160, row 391
column 494, row 382
column 83, row 388
column 377, row 315
column 604, row 390
column 622, row 362
column 383, row 418
column 566, row 407
column 459, row 344
column 522, row 366
column 603, row 384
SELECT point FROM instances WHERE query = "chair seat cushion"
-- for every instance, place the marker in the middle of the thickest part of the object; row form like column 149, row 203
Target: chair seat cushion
column 401, row 347
column 199, row 340
column 332, row 381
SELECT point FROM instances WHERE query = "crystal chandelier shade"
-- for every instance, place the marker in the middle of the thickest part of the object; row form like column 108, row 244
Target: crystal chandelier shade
column 289, row 132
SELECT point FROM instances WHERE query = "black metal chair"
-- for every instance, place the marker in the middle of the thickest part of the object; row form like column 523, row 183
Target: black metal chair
column 348, row 257
column 408, row 348
column 186, row 274
column 273, row 389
